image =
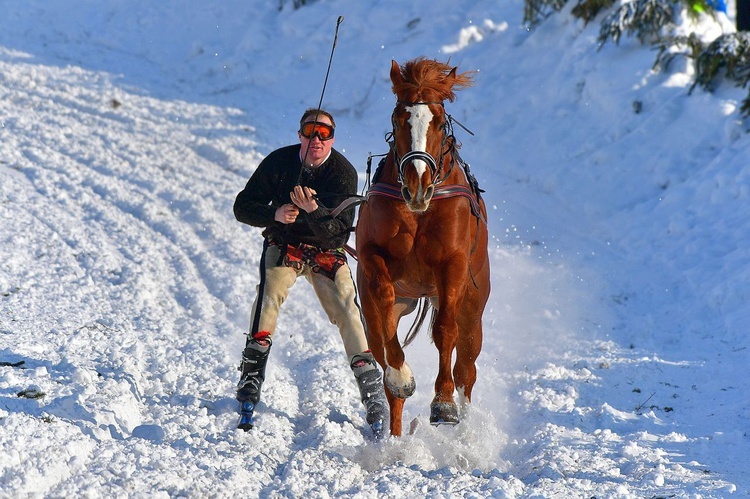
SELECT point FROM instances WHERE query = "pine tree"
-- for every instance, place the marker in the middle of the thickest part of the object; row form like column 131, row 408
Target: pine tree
column 644, row 18
column 651, row 21
column 730, row 52
column 534, row 11
column 588, row 9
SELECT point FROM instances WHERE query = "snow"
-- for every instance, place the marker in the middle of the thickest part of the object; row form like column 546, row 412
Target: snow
column 616, row 348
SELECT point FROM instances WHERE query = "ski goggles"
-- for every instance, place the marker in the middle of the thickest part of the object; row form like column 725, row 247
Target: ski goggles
column 310, row 129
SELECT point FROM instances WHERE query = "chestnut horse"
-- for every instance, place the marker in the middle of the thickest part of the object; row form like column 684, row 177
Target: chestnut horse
column 422, row 235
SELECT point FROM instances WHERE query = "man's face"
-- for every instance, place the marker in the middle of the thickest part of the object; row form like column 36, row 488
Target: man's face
column 317, row 150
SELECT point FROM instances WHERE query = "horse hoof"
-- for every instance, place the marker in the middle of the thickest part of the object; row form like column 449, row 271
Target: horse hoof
column 401, row 383
column 402, row 391
column 443, row 413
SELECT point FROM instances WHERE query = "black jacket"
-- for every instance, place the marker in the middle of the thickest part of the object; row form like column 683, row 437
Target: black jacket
column 273, row 180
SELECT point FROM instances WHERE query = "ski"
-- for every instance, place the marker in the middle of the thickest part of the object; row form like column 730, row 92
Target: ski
column 246, row 416
column 377, row 430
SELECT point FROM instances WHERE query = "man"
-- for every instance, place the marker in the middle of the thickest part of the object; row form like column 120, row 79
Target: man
column 292, row 194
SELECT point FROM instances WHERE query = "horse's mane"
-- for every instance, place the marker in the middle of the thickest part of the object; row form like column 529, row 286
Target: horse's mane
column 429, row 79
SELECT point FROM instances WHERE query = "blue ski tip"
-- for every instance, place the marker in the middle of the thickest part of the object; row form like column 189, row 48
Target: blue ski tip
column 377, row 430
column 246, row 416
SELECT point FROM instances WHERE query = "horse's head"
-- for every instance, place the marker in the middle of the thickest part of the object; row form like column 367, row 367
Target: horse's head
column 421, row 127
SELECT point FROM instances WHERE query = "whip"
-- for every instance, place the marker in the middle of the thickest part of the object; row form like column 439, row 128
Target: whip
column 325, row 83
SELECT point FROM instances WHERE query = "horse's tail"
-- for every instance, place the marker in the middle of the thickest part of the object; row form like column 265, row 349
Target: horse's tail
column 423, row 307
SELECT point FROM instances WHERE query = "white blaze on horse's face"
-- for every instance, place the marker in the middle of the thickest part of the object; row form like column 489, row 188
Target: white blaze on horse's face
column 419, row 119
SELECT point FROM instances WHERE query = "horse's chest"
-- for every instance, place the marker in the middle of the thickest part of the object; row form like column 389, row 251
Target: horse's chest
column 411, row 244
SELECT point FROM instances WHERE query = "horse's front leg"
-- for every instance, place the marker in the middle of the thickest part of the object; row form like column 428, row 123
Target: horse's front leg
column 378, row 299
column 399, row 377
column 469, row 343
column 443, row 409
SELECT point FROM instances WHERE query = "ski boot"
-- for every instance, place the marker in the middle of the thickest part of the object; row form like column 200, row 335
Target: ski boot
column 370, row 383
column 253, row 368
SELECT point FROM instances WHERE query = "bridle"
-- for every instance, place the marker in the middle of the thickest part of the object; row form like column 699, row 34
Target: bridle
column 393, row 192
column 436, row 166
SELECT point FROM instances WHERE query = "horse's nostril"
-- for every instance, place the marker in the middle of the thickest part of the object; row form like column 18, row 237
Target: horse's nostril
column 405, row 194
column 429, row 192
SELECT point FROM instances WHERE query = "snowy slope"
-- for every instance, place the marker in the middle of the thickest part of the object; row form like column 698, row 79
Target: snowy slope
column 615, row 338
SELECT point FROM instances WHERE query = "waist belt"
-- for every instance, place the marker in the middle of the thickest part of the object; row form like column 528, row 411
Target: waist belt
column 324, row 262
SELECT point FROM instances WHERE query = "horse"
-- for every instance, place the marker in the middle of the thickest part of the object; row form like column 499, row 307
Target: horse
column 421, row 240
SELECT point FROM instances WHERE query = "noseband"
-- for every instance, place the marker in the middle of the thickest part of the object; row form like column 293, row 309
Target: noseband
column 436, row 166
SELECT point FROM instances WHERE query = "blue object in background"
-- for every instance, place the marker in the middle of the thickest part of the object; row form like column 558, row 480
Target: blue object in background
column 718, row 5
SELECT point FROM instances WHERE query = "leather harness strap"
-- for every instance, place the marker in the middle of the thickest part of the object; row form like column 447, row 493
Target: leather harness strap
column 441, row 192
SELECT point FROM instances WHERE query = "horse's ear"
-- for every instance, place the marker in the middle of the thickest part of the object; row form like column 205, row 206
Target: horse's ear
column 459, row 81
column 396, row 77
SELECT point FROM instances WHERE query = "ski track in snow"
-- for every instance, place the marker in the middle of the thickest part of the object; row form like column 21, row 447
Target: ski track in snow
column 613, row 358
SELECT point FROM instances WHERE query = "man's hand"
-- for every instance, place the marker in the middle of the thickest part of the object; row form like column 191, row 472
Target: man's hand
column 286, row 214
column 304, row 198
